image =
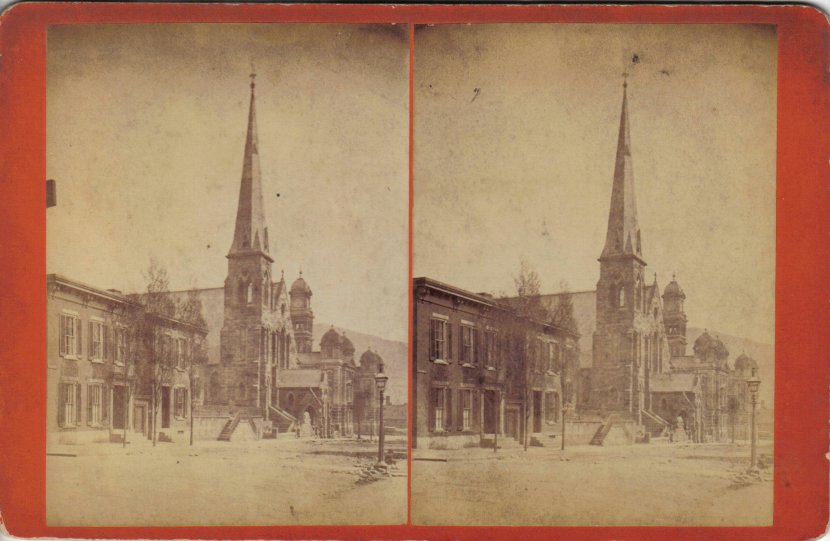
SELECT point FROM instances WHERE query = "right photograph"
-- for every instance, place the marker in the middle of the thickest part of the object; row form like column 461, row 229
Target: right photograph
column 594, row 275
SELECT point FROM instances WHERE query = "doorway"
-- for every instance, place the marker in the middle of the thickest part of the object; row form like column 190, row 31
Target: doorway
column 491, row 412
column 119, row 407
column 140, row 418
column 165, row 407
column 537, row 411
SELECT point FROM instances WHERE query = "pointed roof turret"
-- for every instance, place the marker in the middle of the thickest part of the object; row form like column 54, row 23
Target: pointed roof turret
column 623, row 236
column 251, row 232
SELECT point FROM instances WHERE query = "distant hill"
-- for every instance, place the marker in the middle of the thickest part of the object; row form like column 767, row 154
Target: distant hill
column 764, row 355
column 395, row 357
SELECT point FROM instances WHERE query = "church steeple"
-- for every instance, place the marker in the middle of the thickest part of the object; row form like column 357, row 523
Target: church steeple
column 251, row 232
column 623, row 236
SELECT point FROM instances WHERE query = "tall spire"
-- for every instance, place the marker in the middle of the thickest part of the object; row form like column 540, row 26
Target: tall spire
column 623, row 236
column 251, row 232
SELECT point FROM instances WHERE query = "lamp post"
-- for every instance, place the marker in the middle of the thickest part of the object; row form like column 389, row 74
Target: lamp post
column 753, row 383
column 380, row 383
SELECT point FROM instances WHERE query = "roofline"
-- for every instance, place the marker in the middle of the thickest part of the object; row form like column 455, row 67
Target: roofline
column 120, row 298
column 493, row 303
column 457, row 291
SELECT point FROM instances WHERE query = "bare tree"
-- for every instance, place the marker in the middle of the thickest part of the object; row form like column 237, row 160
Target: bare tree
column 153, row 351
column 189, row 310
column 519, row 327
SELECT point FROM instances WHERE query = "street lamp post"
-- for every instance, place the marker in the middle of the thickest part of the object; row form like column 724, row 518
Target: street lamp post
column 380, row 383
column 753, row 383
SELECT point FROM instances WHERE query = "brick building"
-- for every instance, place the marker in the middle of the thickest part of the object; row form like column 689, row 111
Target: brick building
column 468, row 385
column 100, row 381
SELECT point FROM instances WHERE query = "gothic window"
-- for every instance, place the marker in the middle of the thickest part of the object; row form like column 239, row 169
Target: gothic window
column 639, row 247
column 250, row 292
column 620, row 295
column 655, row 312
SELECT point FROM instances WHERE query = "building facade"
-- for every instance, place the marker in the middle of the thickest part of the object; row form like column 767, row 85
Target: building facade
column 101, row 382
column 470, row 385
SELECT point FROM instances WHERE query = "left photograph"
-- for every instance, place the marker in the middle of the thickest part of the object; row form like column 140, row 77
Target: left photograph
column 227, row 274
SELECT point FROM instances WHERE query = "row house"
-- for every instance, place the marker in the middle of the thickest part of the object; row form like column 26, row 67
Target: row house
column 99, row 389
column 473, row 380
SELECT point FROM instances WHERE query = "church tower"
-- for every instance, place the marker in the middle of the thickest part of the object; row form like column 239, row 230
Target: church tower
column 249, row 292
column 301, row 314
column 623, row 321
column 674, row 317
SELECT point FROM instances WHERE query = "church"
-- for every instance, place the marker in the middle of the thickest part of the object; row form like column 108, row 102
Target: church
column 640, row 372
column 262, row 368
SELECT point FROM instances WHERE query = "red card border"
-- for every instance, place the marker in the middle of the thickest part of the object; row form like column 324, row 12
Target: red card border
column 802, row 258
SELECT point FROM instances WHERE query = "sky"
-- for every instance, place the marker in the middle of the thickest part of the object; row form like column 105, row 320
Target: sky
column 145, row 137
column 515, row 135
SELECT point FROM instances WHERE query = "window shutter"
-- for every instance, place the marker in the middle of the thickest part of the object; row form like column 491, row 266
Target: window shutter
column 79, row 342
column 89, row 345
column 476, row 347
column 449, row 341
column 105, row 404
column 448, row 409
column 61, row 404
column 89, row 404
column 460, row 419
column 432, row 325
column 475, row 418
column 433, row 398
column 62, row 335
column 77, row 403
column 107, row 341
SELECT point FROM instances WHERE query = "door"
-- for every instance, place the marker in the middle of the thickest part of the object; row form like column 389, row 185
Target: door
column 139, row 418
column 491, row 410
column 165, row 407
column 537, row 411
column 511, row 423
column 119, row 407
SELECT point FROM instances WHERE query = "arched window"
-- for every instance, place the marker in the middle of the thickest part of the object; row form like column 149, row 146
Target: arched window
column 250, row 292
column 620, row 296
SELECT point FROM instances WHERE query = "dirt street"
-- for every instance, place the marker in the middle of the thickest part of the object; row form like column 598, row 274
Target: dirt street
column 655, row 484
column 266, row 482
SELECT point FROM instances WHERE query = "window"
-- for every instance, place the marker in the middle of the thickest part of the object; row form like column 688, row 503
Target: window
column 180, row 400
column 120, row 345
column 438, row 408
column 69, row 412
column 95, row 404
column 551, row 407
column 467, row 408
column 349, row 397
column 490, row 348
column 70, row 335
column 440, row 340
column 468, row 335
column 181, row 353
column 96, row 340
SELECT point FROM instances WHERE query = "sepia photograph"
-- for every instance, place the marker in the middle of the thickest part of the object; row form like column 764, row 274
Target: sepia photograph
column 593, row 275
column 227, row 274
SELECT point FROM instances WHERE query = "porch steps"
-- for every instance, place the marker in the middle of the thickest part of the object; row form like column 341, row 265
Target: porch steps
column 230, row 426
column 603, row 430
